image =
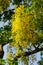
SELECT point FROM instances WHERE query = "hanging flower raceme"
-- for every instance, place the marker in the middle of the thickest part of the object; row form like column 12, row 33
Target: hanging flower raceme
column 22, row 28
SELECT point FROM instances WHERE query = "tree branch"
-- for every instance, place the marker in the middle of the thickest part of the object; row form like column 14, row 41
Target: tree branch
column 33, row 52
column 30, row 52
column 1, row 51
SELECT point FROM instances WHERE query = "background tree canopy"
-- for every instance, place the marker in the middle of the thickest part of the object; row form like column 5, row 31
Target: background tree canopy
column 22, row 30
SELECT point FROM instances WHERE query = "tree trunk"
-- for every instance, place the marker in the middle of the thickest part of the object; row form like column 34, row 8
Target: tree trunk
column 1, row 51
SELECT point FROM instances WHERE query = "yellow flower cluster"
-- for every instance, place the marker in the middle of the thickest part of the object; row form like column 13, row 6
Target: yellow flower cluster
column 22, row 28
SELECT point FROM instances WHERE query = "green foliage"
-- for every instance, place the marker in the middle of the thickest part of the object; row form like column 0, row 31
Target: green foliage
column 40, row 62
column 17, row 2
column 9, row 62
column 5, row 34
column 2, row 62
column 4, row 4
column 12, row 62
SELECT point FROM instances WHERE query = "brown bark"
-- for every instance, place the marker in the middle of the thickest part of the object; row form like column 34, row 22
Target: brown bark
column 1, row 51
column 30, row 52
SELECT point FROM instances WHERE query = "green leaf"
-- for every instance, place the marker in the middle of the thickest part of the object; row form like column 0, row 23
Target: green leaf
column 16, row 63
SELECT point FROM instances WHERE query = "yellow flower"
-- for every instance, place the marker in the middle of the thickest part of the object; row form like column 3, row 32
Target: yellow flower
column 22, row 28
